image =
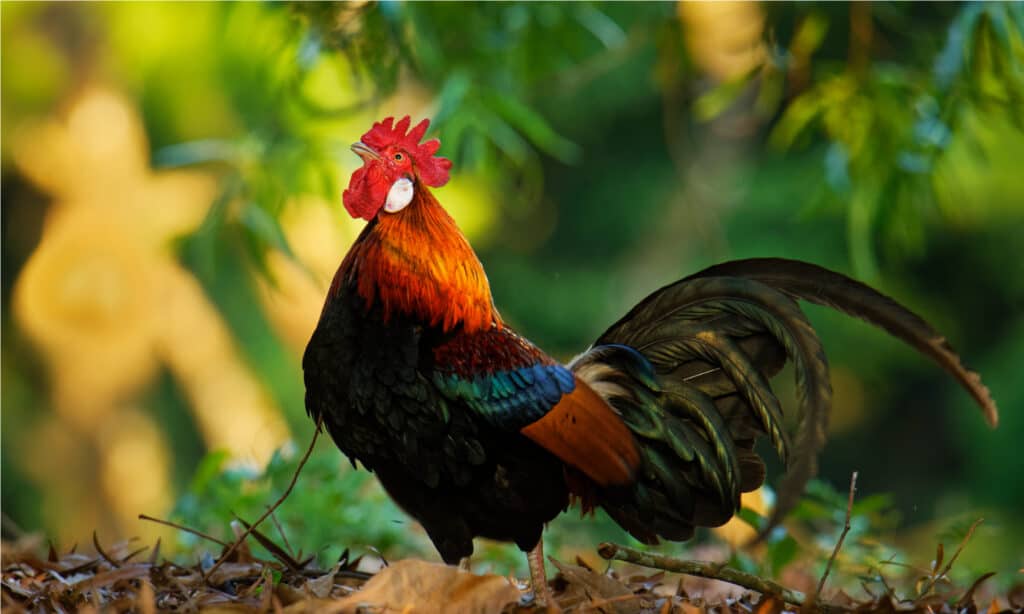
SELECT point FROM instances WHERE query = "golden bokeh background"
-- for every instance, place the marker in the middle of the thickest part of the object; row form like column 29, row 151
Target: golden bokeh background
column 104, row 299
column 107, row 304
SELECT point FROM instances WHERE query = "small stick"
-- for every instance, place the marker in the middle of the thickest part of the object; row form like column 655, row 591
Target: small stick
column 703, row 569
column 280, row 530
column 134, row 554
column 99, row 549
column 270, row 510
column 180, row 527
column 842, row 536
column 154, row 555
column 952, row 559
column 276, row 551
column 877, row 575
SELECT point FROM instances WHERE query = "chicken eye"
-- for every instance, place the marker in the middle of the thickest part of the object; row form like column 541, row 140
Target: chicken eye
column 399, row 157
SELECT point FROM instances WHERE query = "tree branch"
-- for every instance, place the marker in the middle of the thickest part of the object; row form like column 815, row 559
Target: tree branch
column 703, row 569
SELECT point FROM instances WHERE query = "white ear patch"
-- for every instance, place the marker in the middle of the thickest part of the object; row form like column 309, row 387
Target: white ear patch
column 399, row 196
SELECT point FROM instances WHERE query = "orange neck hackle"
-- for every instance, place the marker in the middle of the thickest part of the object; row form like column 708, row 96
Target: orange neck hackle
column 417, row 263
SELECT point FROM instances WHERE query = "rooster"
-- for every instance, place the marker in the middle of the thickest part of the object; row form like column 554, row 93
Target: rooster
column 476, row 432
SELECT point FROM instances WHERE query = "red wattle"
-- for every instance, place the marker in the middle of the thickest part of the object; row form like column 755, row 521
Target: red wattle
column 366, row 192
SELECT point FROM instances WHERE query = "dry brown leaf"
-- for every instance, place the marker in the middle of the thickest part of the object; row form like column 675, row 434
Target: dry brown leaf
column 15, row 586
column 689, row 608
column 1016, row 595
column 321, row 587
column 145, row 602
column 288, row 594
column 412, row 586
column 234, row 571
column 107, row 578
column 770, row 605
column 319, row 606
column 597, row 590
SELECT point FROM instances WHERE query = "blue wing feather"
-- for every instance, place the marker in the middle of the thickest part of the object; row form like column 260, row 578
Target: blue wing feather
column 501, row 376
column 509, row 399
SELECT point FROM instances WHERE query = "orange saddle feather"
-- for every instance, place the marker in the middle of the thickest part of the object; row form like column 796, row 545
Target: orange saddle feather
column 586, row 433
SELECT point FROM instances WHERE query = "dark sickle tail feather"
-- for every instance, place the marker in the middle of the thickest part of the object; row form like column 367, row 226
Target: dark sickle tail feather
column 818, row 285
column 688, row 370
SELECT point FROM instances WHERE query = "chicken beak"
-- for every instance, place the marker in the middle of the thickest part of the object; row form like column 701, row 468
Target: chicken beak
column 365, row 152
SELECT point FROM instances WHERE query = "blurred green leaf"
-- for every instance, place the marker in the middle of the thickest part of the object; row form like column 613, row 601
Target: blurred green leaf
column 535, row 127
column 266, row 228
column 781, row 553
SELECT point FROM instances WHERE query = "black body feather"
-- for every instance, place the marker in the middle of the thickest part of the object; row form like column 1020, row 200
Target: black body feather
column 443, row 463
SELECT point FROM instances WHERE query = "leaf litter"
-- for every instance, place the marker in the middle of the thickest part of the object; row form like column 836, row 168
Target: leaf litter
column 127, row 577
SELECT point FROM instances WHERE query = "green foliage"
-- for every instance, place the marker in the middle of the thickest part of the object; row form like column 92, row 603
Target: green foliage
column 824, row 509
column 489, row 68
column 333, row 507
column 888, row 125
column 813, row 529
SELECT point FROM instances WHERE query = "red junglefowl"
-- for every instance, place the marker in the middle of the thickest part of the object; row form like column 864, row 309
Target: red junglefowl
column 475, row 432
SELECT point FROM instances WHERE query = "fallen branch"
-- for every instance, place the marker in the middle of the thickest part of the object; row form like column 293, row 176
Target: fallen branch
column 270, row 510
column 842, row 536
column 704, row 569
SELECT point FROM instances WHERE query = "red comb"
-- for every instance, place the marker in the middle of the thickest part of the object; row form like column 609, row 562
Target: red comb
column 432, row 170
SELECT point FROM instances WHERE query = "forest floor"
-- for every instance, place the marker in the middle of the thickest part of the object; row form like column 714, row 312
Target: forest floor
column 129, row 578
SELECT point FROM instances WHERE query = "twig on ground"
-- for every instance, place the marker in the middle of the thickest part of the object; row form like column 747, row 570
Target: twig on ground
column 181, row 527
column 703, row 569
column 276, row 504
column 280, row 530
column 134, row 553
column 880, row 578
column 154, row 554
column 952, row 559
column 276, row 551
column 101, row 552
column 842, row 536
